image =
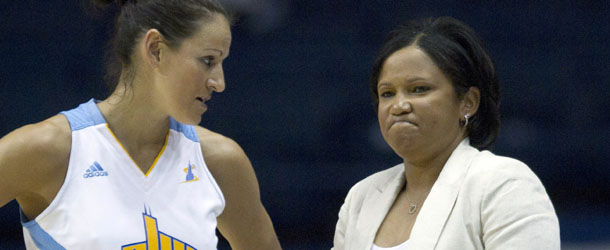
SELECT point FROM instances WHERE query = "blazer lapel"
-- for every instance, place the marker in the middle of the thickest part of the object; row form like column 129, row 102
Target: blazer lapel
column 437, row 207
column 375, row 206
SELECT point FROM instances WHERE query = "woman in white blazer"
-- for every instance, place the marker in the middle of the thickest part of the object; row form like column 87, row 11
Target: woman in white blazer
column 437, row 96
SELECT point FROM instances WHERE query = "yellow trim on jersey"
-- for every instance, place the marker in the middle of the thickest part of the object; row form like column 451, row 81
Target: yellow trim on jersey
column 134, row 162
column 159, row 155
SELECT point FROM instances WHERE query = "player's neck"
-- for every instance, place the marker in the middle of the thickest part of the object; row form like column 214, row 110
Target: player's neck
column 133, row 118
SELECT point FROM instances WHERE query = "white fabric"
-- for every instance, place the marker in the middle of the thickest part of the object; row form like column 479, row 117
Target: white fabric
column 479, row 201
column 402, row 246
column 107, row 209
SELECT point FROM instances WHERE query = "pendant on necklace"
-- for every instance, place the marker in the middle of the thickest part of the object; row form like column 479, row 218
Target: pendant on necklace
column 413, row 208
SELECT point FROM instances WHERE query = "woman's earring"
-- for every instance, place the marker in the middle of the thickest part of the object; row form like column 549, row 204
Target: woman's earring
column 464, row 122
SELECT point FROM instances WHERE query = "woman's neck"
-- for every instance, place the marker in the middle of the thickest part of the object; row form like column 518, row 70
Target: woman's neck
column 134, row 119
column 422, row 175
column 421, row 179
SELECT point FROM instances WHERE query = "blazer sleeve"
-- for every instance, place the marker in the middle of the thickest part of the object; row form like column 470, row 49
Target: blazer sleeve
column 339, row 241
column 516, row 212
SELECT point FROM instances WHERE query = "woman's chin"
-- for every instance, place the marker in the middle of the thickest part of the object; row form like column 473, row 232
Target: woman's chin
column 189, row 120
column 408, row 150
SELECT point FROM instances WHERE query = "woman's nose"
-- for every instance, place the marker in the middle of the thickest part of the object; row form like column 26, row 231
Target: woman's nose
column 401, row 106
column 216, row 82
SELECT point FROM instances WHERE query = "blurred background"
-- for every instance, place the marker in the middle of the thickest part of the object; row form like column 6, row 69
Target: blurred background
column 297, row 97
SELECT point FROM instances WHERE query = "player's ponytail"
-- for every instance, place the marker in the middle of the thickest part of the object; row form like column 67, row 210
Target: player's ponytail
column 176, row 20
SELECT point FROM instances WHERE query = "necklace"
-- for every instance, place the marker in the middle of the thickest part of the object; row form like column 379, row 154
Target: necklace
column 414, row 206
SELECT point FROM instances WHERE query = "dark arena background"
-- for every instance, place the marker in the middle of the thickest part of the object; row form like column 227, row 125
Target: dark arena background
column 297, row 97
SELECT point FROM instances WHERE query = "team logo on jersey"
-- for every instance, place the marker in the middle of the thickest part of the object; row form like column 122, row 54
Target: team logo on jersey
column 95, row 170
column 190, row 177
column 156, row 239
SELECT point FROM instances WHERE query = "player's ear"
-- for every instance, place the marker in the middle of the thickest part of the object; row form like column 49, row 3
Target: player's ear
column 152, row 47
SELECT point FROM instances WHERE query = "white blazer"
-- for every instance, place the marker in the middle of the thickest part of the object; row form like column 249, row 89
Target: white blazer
column 479, row 201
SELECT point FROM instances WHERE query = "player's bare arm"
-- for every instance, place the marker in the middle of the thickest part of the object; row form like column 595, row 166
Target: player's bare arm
column 33, row 164
column 244, row 221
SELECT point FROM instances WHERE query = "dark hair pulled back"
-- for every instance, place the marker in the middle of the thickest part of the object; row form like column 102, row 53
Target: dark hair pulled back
column 176, row 20
column 461, row 55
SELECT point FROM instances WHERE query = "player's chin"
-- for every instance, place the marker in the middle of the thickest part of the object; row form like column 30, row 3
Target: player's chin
column 190, row 118
column 194, row 120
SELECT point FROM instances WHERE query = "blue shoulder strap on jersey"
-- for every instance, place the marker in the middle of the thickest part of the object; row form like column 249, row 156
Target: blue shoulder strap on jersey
column 85, row 115
column 187, row 130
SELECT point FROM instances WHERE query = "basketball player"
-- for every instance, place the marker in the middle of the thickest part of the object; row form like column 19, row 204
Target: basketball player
column 134, row 171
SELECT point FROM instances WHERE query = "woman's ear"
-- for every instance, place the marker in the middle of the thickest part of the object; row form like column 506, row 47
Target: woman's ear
column 470, row 102
column 152, row 47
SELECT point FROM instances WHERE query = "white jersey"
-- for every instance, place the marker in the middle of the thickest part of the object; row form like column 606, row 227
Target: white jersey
column 107, row 202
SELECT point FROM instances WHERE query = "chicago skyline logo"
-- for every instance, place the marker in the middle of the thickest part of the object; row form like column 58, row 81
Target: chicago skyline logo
column 155, row 239
column 190, row 177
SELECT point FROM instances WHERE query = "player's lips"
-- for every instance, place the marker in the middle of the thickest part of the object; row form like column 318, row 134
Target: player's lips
column 203, row 98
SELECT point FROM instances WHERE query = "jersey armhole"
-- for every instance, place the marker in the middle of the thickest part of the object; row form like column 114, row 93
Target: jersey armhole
column 61, row 190
column 212, row 181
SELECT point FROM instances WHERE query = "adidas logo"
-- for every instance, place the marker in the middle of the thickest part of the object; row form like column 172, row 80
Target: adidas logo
column 95, row 170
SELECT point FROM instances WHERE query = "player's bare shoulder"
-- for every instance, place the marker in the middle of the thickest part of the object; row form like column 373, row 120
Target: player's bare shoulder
column 34, row 159
column 223, row 156
column 217, row 148
column 48, row 141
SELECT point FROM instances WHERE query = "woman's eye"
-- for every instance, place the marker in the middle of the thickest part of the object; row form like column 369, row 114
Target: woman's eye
column 386, row 94
column 421, row 89
column 208, row 61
